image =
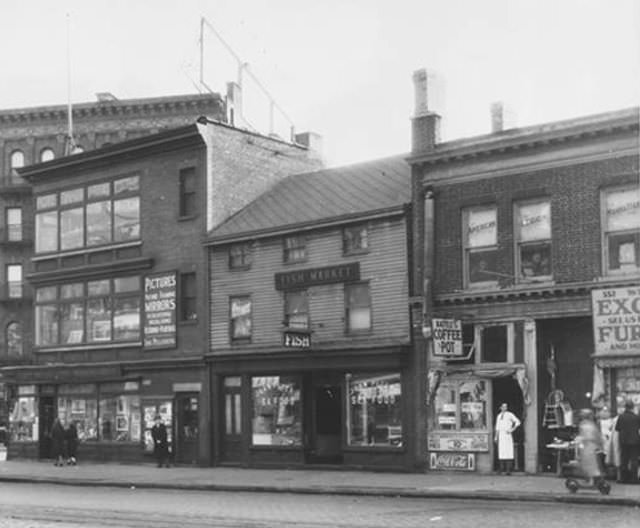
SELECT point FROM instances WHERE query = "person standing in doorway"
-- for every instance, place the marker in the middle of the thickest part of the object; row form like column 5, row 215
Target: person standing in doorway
column 628, row 427
column 506, row 424
column 160, row 442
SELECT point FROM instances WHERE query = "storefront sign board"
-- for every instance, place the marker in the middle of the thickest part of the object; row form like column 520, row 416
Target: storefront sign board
column 616, row 321
column 316, row 276
column 457, row 441
column 447, row 337
column 293, row 339
column 160, row 293
column 453, row 461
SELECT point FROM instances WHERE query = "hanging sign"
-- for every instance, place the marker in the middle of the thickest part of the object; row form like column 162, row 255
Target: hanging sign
column 292, row 339
column 160, row 310
column 616, row 320
column 447, row 337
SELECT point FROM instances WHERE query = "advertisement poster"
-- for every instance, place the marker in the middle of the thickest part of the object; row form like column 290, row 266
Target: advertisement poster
column 160, row 300
column 616, row 321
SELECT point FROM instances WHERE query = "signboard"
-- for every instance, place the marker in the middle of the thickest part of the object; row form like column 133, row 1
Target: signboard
column 447, row 337
column 291, row 280
column 455, row 461
column 455, row 441
column 616, row 321
column 160, row 310
column 293, row 339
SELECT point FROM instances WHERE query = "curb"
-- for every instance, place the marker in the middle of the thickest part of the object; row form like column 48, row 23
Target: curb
column 345, row 490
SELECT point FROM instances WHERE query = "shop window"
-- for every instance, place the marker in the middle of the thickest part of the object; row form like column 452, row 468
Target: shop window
column 296, row 309
column 188, row 297
column 480, row 236
column 23, row 417
column 533, row 239
column 79, row 404
column 120, row 418
column 13, row 219
column 240, row 318
column 188, row 204
column 14, row 339
column 151, row 409
column 14, row 281
column 277, row 411
column 355, row 240
column 357, row 307
column 621, row 230
column 460, row 406
column 374, row 409
column 240, row 256
column 295, row 249
column 47, row 154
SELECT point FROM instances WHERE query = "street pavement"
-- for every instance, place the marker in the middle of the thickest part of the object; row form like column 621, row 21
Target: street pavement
column 453, row 485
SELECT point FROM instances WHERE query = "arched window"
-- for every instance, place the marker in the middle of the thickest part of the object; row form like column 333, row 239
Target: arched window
column 47, row 154
column 17, row 159
column 14, row 339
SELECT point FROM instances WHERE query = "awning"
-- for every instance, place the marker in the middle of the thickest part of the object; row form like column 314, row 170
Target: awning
column 617, row 361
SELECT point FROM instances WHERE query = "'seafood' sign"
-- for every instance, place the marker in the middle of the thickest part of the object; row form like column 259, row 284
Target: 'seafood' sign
column 616, row 320
column 447, row 337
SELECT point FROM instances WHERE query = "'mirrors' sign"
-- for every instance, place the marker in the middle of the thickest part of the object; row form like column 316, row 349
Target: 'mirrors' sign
column 160, row 310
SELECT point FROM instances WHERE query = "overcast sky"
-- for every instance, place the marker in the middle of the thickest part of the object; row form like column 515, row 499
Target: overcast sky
column 342, row 68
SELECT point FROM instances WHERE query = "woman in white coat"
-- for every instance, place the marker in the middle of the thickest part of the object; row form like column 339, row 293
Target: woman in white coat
column 506, row 424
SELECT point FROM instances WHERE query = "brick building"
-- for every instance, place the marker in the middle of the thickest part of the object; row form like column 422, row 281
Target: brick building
column 523, row 238
column 310, row 354
column 118, row 273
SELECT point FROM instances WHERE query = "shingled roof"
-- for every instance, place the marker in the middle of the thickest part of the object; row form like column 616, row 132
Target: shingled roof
column 313, row 199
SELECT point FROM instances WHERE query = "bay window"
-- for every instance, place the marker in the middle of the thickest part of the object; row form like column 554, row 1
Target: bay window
column 533, row 239
column 480, row 237
column 621, row 230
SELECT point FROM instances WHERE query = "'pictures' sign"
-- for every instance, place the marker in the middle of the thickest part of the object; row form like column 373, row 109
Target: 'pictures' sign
column 160, row 310
column 616, row 320
column 447, row 337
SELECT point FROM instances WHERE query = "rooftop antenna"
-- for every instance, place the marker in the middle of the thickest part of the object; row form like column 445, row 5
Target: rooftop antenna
column 70, row 144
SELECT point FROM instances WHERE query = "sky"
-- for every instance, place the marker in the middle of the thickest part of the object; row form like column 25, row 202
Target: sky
column 340, row 68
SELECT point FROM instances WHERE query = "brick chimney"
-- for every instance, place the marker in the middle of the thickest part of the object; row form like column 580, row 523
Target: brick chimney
column 234, row 104
column 425, row 129
column 502, row 117
column 311, row 140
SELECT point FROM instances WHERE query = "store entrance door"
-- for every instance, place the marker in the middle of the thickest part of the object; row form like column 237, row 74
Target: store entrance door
column 186, row 429
column 506, row 390
column 46, row 413
column 231, row 402
column 326, row 427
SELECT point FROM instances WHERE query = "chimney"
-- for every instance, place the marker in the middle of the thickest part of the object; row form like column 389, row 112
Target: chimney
column 425, row 123
column 311, row 140
column 502, row 117
column 234, row 104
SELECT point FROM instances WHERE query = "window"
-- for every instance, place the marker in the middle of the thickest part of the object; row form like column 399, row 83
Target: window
column 277, row 411
column 357, row 307
column 14, row 224
column 188, row 204
column 460, row 405
column 14, row 339
column 480, row 238
column 47, row 154
column 374, row 409
column 79, row 404
column 119, row 417
column 240, row 256
column 188, row 297
column 95, row 215
column 23, row 418
column 533, row 239
column 98, row 311
column 621, row 237
column 17, row 159
column 295, row 249
column 355, row 239
column 14, row 281
column 240, row 318
column 296, row 309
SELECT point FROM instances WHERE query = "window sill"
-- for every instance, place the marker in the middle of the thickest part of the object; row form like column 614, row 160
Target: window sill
column 246, row 267
column 294, row 262
column 81, row 347
column 617, row 275
column 187, row 218
column 374, row 447
column 280, row 447
column 188, row 322
column 353, row 252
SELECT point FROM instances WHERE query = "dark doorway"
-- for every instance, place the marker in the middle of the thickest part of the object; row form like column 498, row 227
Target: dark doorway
column 506, row 390
column 231, row 411
column 186, row 429
column 327, row 426
column 46, row 413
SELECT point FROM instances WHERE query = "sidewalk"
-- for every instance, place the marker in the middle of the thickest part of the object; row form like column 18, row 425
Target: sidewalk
column 317, row 481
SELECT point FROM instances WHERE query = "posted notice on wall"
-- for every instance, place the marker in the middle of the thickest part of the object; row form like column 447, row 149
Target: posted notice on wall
column 447, row 337
column 616, row 320
column 160, row 295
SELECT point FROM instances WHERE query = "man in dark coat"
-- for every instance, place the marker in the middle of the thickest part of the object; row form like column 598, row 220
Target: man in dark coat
column 57, row 443
column 628, row 427
column 160, row 442
column 71, row 437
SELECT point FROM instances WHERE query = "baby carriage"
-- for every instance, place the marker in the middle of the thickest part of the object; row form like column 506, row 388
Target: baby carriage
column 576, row 478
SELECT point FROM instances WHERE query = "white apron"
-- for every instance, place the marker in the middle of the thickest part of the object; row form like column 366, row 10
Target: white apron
column 505, row 422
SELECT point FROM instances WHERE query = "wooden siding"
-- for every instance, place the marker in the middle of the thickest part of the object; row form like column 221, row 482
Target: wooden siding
column 384, row 266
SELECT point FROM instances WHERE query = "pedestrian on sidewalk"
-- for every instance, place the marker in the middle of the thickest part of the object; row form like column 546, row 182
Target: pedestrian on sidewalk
column 506, row 424
column 628, row 427
column 71, row 437
column 57, row 442
column 160, row 442
column 589, row 441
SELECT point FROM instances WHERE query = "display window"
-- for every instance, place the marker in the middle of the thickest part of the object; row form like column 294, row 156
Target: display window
column 460, row 406
column 119, row 415
column 277, row 411
column 79, row 404
column 150, row 409
column 23, row 417
column 627, row 387
column 374, row 409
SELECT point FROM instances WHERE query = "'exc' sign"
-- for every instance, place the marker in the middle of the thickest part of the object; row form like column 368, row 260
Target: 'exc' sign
column 616, row 320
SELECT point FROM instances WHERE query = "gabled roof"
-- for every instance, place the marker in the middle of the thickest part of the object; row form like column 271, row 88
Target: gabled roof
column 324, row 197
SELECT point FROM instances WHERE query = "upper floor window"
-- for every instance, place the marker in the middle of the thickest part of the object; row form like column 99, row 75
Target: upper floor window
column 240, row 256
column 14, row 224
column 295, row 248
column 17, row 159
column 240, row 317
column 355, row 239
column 621, row 229
column 296, row 309
column 188, row 192
column 188, row 297
column 47, row 154
column 480, row 237
column 357, row 307
column 97, row 311
column 14, row 281
column 98, row 214
column 14, row 339
column 533, row 239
